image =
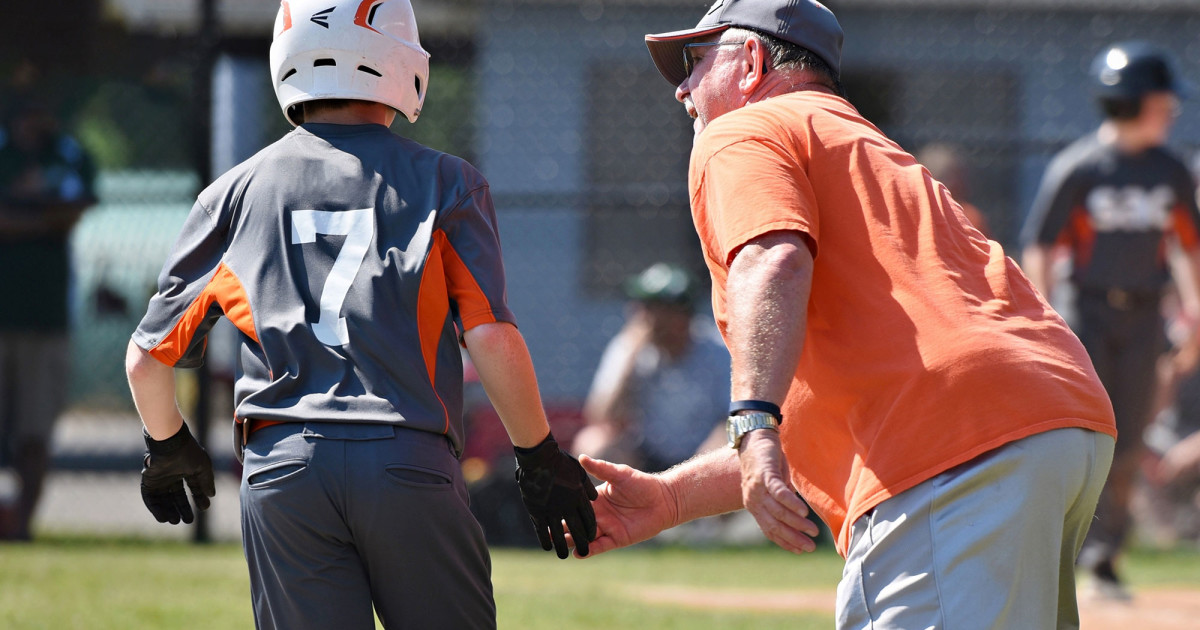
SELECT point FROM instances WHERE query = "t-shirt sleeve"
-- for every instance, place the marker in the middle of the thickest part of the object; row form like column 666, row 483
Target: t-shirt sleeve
column 184, row 309
column 1060, row 192
column 472, row 261
column 1186, row 219
column 749, row 188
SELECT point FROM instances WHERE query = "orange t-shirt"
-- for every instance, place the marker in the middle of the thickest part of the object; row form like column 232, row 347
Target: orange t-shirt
column 925, row 345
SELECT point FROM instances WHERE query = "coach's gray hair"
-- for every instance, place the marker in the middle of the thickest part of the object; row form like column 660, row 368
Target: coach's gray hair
column 785, row 55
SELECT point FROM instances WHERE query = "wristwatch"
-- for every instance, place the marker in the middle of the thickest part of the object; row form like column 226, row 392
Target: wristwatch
column 739, row 425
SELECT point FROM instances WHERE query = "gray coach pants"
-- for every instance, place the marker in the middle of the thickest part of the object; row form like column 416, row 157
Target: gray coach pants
column 987, row 545
column 339, row 517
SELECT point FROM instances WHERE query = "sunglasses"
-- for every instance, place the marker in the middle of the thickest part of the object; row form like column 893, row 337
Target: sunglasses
column 689, row 63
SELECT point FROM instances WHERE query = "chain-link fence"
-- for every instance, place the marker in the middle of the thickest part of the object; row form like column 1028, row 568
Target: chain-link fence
column 559, row 105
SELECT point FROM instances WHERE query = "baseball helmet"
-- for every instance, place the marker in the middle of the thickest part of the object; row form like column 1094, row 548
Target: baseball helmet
column 1125, row 72
column 365, row 50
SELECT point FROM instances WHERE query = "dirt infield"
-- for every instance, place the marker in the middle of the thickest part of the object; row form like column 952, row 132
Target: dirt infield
column 1160, row 609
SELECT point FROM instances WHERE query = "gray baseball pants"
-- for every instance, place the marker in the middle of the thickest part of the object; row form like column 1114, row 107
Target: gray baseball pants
column 344, row 521
column 989, row 544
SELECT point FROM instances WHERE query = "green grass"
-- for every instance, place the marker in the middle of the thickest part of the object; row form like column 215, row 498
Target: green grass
column 68, row 583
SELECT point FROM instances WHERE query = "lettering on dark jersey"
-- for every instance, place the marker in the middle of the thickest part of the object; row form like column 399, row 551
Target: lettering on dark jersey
column 1130, row 208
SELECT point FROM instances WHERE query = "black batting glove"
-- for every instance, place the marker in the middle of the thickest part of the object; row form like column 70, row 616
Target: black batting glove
column 170, row 463
column 555, row 488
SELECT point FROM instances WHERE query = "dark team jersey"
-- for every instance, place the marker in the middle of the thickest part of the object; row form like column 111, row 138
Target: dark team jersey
column 1116, row 212
column 36, row 270
column 350, row 260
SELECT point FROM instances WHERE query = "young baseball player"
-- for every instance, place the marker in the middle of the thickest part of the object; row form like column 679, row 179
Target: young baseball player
column 353, row 262
column 1118, row 199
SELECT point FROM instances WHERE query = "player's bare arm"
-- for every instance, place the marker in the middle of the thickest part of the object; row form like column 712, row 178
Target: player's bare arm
column 153, row 386
column 769, row 283
column 173, row 457
column 554, row 487
column 1036, row 263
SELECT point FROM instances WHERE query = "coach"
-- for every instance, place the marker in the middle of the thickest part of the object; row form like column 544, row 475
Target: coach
column 889, row 363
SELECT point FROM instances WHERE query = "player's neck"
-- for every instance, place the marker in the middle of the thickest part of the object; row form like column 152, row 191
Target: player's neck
column 1128, row 136
column 354, row 113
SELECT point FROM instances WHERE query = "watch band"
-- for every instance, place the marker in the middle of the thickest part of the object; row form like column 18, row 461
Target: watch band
column 737, row 426
column 756, row 405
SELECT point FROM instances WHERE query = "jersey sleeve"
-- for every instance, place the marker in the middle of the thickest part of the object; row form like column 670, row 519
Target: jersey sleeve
column 1060, row 192
column 469, row 243
column 749, row 188
column 183, row 310
column 1186, row 215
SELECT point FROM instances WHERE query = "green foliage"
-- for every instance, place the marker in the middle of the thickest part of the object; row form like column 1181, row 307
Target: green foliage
column 447, row 116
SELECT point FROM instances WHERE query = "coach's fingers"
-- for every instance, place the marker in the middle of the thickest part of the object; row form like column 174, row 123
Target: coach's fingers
column 781, row 534
column 598, row 546
column 790, row 508
column 605, row 471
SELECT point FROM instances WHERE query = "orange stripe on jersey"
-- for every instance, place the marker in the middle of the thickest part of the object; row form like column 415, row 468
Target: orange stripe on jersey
column 473, row 305
column 287, row 17
column 433, row 306
column 364, row 11
column 1185, row 228
column 223, row 289
column 1081, row 236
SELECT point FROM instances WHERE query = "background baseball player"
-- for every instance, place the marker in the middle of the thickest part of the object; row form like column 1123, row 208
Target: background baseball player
column 352, row 262
column 1118, row 201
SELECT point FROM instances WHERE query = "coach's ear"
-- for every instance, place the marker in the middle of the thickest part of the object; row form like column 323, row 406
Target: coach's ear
column 755, row 60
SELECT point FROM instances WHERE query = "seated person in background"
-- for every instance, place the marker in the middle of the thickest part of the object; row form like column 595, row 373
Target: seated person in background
column 662, row 386
column 1168, row 501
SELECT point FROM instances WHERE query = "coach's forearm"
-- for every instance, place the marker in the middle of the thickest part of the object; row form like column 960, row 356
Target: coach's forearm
column 705, row 485
column 502, row 360
column 152, row 384
column 768, row 287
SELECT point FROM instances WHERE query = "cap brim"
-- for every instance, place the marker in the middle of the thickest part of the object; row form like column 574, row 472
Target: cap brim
column 666, row 49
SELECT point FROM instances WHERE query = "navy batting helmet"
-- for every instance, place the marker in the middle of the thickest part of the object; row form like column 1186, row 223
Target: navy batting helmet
column 1125, row 72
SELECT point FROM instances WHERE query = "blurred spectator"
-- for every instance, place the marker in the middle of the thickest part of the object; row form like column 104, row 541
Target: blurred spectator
column 662, row 387
column 945, row 163
column 1168, row 502
column 1119, row 199
column 45, row 184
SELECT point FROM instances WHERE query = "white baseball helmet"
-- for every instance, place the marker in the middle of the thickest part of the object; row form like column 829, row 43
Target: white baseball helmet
column 365, row 50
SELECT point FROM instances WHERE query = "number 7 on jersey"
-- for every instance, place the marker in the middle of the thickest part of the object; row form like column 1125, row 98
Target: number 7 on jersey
column 358, row 226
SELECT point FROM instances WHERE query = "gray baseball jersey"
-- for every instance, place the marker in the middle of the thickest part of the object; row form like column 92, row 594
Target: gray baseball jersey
column 1115, row 211
column 350, row 260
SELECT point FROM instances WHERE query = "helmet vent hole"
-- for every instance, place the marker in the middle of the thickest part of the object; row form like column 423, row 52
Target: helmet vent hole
column 370, row 71
column 324, row 62
column 287, row 75
column 371, row 15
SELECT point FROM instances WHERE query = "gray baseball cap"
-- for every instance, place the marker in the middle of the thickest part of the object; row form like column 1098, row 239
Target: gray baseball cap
column 806, row 23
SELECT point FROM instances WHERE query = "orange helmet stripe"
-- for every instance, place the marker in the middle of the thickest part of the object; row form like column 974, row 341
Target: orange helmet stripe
column 364, row 11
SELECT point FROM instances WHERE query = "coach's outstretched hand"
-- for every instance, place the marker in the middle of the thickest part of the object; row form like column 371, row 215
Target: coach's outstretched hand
column 555, row 488
column 170, row 463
